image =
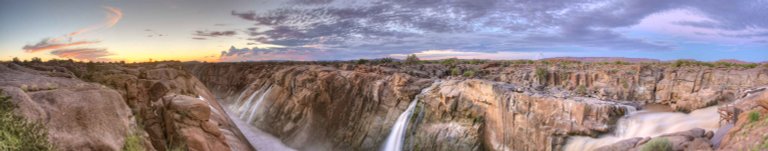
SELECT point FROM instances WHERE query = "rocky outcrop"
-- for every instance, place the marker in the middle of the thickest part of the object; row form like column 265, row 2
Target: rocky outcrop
column 146, row 88
column 77, row 115
column 683, row 88
column 694, row 139
column 316, row 107
column 166, row 106
column 309, row 101
column 484, row 115
column 749, row 134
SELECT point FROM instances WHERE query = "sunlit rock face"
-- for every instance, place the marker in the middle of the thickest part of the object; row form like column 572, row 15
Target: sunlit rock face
column 77, row 115
column 316, row 107
column 162, row 104
column 683, row 88
column 346, row 106
column 484, row 115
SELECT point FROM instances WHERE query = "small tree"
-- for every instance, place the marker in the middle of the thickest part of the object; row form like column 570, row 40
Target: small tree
column 469, row 73
column 36, row 60
column 16, row 60
column 386, row 60
column 412, row 59
column 450, row 62
column 362, row 61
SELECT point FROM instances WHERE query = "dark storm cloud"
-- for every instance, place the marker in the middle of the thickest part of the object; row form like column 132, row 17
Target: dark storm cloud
column 408, row 26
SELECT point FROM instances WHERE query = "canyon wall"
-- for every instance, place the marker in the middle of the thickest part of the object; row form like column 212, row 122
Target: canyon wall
column 98, row 106
column 682, row 88
column 508, row 107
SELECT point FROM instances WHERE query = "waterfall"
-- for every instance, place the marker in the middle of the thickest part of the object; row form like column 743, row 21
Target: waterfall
column 397, row 134
column 256, row 106
column 248, row 109
column 645, row 123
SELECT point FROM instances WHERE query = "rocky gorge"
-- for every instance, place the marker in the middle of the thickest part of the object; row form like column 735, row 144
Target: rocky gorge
column 542, row 105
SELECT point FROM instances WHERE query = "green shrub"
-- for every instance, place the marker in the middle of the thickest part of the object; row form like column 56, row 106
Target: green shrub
column 133, row 142
column 469, row 73
column 657, row 144
column 362, row 61
column 581, row 89
column 450, row 62
column 754, row 116
column 412, row 59
column 541, row 74
column 455, row 71
column 385, row 60
column 16, row 133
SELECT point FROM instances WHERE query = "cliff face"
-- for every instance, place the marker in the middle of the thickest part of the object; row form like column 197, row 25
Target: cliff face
column 528, row 107
column 483, row 115
column 165, row 106
column 316, row 107
column 77, row 115
column 348, row 107
column 683, row 88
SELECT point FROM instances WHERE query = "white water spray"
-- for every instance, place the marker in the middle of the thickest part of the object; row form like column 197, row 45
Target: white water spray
column 397, row 135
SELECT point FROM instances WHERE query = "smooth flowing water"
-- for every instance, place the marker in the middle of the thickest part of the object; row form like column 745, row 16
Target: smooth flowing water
column 649, row 123
column 397, row 135
column 246, row 111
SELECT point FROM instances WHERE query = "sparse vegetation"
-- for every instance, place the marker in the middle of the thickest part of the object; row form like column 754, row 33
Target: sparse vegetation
column 36, row 60
column 469, row 73
column 385, row 60
column 455, row 71
column 581, row 90
column 657, row 144
column 16, row 60
column 16, row 133
column 133, row 142
column 412, row 59
column 754, row 116
column 450, row 62
column 541, row 74
column 362, row 61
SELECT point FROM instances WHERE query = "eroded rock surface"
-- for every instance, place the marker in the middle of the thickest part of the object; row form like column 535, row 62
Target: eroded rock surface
column 77, row 115
column 166, row 106
column 484, row 115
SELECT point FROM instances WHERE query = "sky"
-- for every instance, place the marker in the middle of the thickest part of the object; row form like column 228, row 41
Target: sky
column 256, row 30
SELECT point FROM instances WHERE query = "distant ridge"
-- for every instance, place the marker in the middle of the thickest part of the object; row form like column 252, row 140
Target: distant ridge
column 604, row 59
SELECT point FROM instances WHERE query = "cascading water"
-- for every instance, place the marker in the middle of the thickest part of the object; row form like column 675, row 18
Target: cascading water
column 249, row 109
column 397, row 135
column 246, row 110
column 647, row 123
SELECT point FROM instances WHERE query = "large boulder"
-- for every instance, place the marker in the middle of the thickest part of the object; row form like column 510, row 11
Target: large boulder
column 77, row 115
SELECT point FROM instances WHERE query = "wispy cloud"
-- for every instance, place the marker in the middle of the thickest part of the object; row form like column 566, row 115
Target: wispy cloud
column 89, row 54
column 62, row 46
column 50, row 44
column 200, row 34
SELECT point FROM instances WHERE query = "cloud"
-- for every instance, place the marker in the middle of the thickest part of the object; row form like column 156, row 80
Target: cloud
column 234, row 54
column 113, row 16
column 214, row 33
column 444, row 54
column 49, row 44
column 61, row 46
column 382, row 27
column 90, row 54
